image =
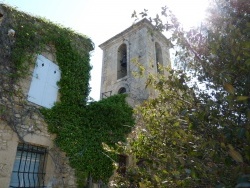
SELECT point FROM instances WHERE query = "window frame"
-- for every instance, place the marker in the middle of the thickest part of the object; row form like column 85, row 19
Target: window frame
column 122, row 61
column 158, row 58
column 122, row 90
column 29, row 167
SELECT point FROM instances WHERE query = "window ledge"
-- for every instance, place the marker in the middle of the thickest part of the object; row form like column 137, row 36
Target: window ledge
column 122, row 79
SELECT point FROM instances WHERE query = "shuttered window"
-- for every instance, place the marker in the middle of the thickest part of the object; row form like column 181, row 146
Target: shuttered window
column 43, row 89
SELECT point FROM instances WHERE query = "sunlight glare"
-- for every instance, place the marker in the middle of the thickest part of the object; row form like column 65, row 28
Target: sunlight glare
column 189, row 12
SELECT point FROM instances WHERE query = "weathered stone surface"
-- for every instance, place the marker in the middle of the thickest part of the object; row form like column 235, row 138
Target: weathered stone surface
column 140, row 41
column 4, row 170
column 6, row 136
column 21, row 120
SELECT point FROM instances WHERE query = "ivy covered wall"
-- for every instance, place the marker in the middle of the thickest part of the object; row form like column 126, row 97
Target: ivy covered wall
column 82, row 130
column 80, row 127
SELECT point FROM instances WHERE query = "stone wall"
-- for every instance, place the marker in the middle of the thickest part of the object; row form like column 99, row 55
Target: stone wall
column 21, row 121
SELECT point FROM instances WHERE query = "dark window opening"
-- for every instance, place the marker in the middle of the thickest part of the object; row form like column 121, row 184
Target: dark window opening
column 29, row 167
column 122, row 90
column 122, row 61
column 158, row 58
column 122, row 162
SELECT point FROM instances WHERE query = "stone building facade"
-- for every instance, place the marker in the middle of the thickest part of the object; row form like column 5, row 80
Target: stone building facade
column 28, row 155
column 33, row 146
column 138, row 44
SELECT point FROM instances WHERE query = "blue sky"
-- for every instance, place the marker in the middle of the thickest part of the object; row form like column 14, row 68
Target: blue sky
column 102, row 19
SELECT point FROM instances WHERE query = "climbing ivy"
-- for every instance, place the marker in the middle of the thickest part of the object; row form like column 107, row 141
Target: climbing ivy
column 81, row 130
column 81, row 127
column 33, row 35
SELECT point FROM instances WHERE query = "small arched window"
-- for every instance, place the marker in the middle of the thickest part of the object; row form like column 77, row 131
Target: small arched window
column 122, row 61
column 158, row 57
column 122, row 90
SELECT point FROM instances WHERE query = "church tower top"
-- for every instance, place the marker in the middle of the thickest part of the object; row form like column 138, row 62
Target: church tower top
column 138, row 43
column 136, row 26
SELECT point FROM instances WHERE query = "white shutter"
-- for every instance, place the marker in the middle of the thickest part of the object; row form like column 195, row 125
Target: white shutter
column 51, row 88
column 38, row 81
column 43, row 89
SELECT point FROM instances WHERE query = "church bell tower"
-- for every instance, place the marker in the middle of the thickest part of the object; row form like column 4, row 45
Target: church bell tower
column 138, row 43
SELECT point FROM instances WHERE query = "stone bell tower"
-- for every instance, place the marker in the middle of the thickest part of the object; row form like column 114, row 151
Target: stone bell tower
column 138, row 43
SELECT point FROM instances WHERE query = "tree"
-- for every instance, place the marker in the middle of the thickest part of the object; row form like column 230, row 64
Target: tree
column 190, row 136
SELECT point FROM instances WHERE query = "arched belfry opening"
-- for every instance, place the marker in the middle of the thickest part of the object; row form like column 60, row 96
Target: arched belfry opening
column 122, row 61
column 158, row 57
column 122, row 90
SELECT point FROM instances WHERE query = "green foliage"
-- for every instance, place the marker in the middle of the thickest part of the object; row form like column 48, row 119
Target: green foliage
column 74, row 83
column 33, row 35
column 169, row 151
column 81, row 128
column 195, row 137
